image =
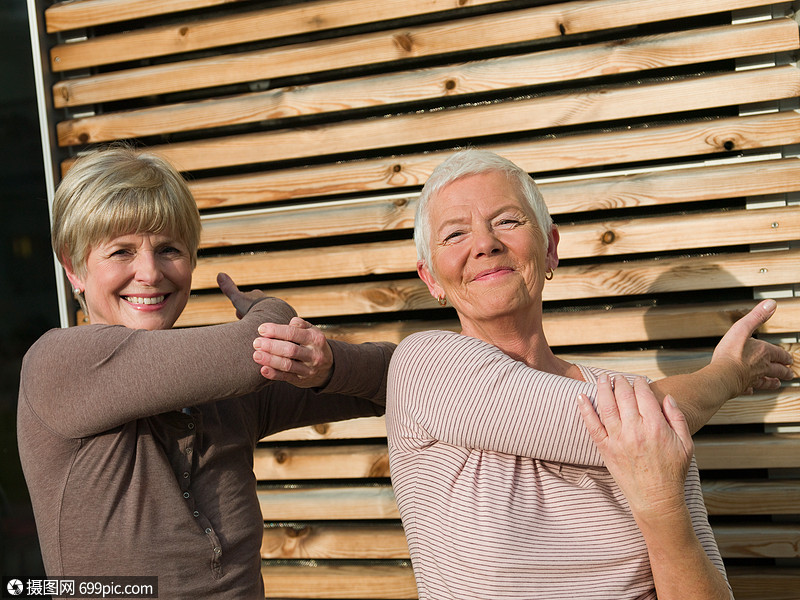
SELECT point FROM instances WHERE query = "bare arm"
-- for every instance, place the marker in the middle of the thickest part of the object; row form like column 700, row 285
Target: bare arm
column 648, row 452
column 740, row 363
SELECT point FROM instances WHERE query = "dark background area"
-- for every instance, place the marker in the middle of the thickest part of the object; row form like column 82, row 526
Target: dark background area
column 28, row 301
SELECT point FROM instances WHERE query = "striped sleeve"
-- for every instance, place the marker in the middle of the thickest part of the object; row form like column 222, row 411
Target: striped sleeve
column 445, row 387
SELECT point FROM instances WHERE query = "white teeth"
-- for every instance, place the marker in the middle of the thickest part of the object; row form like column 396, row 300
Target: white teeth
column 139, row 300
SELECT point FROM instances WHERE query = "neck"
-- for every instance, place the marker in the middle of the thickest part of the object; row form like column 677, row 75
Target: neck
column 522, row 338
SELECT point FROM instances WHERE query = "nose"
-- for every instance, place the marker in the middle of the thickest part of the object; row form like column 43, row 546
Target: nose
column 485, row 242
column 148, row 269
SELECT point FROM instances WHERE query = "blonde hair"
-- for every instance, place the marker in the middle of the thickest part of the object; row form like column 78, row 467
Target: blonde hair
column 118, row 191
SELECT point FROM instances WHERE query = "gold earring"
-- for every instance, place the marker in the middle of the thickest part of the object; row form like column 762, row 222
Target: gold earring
column 549, row 274
column 442, row 301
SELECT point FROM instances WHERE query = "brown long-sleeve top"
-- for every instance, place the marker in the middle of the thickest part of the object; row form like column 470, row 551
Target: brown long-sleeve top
column 502, row 492
column 125, row 482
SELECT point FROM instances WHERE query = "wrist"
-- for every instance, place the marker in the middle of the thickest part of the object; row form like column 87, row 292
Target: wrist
column 726, row 375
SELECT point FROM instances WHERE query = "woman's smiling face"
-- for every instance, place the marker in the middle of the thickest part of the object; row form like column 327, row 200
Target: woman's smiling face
column 488, row 254
column 140, row 280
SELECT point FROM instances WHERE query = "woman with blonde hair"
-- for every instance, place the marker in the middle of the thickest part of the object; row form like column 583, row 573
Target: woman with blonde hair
column 137, row 439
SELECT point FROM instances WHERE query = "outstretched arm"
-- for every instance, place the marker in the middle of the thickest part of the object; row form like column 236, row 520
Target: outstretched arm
column 740, row 363
column 648, row 452
column 85, row 380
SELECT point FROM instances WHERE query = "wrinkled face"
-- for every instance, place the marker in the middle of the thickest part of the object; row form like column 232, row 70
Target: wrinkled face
column 141, row 281
column 488, row 255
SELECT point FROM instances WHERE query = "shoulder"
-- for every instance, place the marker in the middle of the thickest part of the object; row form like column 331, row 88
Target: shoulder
column 441, row 346
column 63, row 343
column 594, row 372
column 437, row 340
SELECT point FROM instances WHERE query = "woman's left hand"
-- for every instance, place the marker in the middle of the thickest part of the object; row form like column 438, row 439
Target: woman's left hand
column 242, row 301
column 646, row 449
column 297, row 353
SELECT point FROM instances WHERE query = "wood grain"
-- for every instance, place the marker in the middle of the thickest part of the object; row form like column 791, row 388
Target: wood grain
column 538, row 156
column 352, row 582
column 561, row 65
column 536, row 115
column 252, row 26
column 427, row 40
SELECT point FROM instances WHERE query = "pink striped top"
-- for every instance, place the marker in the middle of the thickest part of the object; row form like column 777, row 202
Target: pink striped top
column 501, row 491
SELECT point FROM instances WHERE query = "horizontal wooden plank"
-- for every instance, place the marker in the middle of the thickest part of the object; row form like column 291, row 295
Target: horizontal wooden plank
column 717, row 451
column 386, row 213
column 661, row 187
column 758, row 540
column 377, row 582
column 358, row 502
column 572, row 282
column 365, row 427
column 748, row 451
column 616, row 324
column 328, row 503
column 335, row 541
column 780, row 406
column 259, row 268
column 653, row 234
column 396, row 582
column 310, row 221
column 374, row 541
column 321, row 462
column 764, row 583
column 572, row 63
column 255, row 25
column 757, row 497
column 74, row 14
column 666, row 233
column 537, row 114
column 546, row 155
column 427, row 40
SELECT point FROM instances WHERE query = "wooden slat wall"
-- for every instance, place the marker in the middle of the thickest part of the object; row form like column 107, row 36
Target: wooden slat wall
column 664, row 136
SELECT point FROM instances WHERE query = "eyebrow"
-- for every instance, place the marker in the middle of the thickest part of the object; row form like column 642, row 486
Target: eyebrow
column 461, row 220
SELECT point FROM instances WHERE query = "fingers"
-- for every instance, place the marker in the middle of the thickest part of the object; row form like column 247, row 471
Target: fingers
column 226, row 284
column 677, row 421
column 759, row 315
column 300, row 323
column 607, row 408
column 298, row 353
column 301, row 333
column 592, row 421
column 647, row 403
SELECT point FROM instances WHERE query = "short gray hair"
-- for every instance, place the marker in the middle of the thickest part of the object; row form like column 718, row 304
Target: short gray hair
column 475, row 162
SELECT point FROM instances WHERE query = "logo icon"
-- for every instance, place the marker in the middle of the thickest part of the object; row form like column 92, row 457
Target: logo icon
column 15, row 587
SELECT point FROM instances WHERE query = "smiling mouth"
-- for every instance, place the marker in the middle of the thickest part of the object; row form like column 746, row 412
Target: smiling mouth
column 143, row 300
column 490, row 272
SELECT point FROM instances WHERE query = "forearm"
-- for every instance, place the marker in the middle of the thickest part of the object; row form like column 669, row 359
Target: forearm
column 360, row 370
column 700, row 394
column 464, row 392
column 114, row 375
column 681, row 568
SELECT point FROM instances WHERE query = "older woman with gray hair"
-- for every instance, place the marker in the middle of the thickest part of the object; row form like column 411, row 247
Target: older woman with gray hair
column 508, row 485
column 137, row 439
